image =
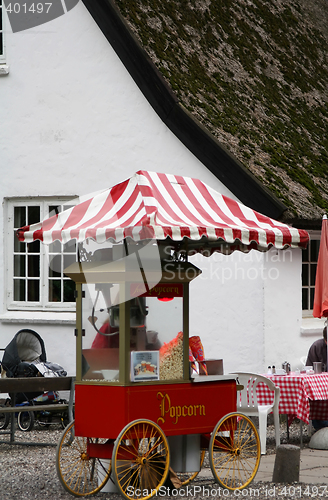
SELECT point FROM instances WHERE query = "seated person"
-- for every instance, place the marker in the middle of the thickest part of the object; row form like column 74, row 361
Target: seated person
column 318, row 352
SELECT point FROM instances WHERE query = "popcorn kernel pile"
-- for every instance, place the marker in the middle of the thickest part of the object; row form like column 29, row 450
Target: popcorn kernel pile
column 171, row 359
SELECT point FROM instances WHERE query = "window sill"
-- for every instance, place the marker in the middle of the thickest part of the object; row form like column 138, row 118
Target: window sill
column 56, row 318
column 4, row 69
column 312, row 326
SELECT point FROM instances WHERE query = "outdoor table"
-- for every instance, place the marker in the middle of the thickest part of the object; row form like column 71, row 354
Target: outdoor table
column 303, row 396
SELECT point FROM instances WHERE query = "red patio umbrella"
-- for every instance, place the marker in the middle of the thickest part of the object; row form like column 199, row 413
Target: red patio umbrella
column 320, row 305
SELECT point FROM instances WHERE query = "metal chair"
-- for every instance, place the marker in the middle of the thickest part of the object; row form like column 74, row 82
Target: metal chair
column 247, row 403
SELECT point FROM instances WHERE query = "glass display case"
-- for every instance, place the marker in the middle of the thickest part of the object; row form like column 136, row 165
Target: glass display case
column 127, row 332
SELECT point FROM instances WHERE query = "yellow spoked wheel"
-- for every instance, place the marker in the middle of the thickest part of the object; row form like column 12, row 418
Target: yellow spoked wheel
column 79, row 474
column 234, row 451
column 141, row 459
column 187, row 477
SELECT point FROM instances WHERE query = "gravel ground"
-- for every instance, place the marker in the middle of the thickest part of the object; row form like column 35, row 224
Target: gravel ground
column 29, row 472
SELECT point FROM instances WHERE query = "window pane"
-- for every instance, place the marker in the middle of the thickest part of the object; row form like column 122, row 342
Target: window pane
column 33, row 247
column 54, row 290
column 305, row 298
column 311, row 297
column 68, row 260
column 33, row 266
column 69, row 288
column 313, row 270
column 18, row 245
column 19, row 217
column 305, row 276
column 54, row 209
column 33, row 290
column 19, row 265
column 305, row 254
column 19, row 290
column 33, row 215
column 55, row 247
column 314, row 250
column 55, row 266
column 70, row 247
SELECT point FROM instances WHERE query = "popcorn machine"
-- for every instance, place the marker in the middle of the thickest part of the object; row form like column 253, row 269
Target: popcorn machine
column 141, row 413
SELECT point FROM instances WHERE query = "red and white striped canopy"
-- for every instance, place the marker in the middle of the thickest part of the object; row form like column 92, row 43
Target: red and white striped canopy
column 157, row 206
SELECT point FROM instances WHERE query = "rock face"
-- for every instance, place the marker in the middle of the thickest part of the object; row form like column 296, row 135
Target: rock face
column 319, row 440
column 255, row 74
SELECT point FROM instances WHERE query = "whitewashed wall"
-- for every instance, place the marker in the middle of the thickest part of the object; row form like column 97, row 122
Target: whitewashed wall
column 247, row 309
column 74, row 122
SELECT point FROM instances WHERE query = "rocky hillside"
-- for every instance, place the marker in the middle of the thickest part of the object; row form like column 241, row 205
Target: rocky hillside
column 255, row 73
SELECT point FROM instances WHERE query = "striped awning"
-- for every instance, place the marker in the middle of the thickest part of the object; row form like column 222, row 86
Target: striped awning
column 157, row 206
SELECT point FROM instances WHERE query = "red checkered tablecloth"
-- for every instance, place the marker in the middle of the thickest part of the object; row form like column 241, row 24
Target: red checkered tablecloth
column 301, row 395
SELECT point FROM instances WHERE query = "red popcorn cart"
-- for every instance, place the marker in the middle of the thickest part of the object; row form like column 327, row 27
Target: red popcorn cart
column 149, row 412
column 142, row 412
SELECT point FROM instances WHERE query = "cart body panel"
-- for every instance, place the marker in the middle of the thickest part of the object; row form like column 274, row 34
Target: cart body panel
column 185, row 408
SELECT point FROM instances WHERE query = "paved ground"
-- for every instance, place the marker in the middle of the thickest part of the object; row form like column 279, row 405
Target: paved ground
column 313, row 467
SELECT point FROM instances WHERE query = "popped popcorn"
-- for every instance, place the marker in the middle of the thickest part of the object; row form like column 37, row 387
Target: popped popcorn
column 171, row 359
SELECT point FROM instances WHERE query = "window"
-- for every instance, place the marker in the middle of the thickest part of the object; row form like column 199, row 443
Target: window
column 309, row 268
column 36, row 277
column 4, row 68
column 2, row 55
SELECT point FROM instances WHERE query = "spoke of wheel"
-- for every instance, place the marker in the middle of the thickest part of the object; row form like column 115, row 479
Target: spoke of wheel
column 140, row 459
column 234, row 459
column 79, row 474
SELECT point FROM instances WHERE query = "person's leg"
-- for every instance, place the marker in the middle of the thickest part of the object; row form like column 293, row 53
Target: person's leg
column 319, row 424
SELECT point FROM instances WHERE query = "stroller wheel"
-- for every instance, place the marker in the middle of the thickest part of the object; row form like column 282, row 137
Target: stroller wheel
column 4, row 420
column 45, row 419
column 25, row 420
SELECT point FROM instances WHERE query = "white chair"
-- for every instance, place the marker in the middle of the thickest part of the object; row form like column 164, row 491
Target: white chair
column 303, row 360
column 247, row 404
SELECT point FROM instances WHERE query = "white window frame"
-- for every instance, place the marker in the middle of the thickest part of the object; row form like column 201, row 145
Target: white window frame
column 314, row 236
column 43, row 304
column 2, row 46
column 4, row 68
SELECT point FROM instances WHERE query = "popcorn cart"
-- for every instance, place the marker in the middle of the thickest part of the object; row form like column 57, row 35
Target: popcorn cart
column 143, row 416
column 148, row 413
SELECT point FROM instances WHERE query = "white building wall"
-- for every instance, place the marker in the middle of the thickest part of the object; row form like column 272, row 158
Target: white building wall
column 227, row 310
column 286, row 335
column 74, row 122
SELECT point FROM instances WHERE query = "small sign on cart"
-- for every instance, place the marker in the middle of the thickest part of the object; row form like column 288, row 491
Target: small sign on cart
column 144, row 365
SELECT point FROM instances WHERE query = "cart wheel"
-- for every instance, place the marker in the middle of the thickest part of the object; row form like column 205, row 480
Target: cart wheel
column 79, row 474
column 234, row 451
column 141, row 459
column 4, row 420
column 25, row 420
column 186, row 477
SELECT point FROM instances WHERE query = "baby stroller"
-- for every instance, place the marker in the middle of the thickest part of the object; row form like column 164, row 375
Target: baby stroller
column 25, row 356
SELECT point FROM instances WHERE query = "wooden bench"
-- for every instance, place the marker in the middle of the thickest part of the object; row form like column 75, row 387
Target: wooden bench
column 36, row 384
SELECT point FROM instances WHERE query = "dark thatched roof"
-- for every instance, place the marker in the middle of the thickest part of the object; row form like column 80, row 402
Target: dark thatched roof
column 251, row 78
